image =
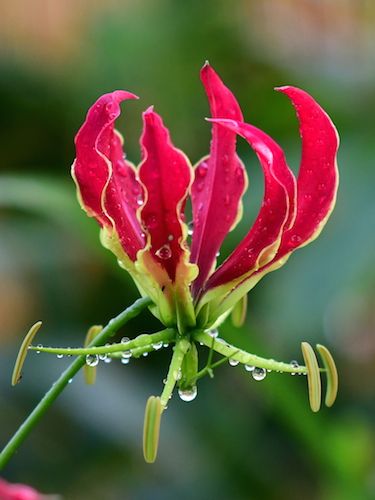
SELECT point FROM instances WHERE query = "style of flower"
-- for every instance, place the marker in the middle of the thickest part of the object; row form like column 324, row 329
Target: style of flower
column 141, row 209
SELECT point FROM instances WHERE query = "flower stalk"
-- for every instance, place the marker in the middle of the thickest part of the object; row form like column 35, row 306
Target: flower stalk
column 108, row 331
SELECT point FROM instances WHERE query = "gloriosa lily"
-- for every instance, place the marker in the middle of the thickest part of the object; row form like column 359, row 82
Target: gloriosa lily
column 141, row 210
column 141, row 215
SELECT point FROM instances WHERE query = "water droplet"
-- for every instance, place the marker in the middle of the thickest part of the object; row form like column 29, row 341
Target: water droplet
column 145, row 354
column 259, row 373
column 165, row 344
column 164, row 252
column 190, row 228
column 295, row 364
column 188, row 394
column 124, row 340
column 296, row 239
column 92, row 360
column 70, row 381
column 126, row 354
column 39, row 347
column 125, row 361
column 213, row 333
column 59, row 356
column 249, row 368
column 157, row 345
column 233, row 362
column 103, row 356
column 202, row 169
column 217, row 254
column 108, row 360
column 170, row 237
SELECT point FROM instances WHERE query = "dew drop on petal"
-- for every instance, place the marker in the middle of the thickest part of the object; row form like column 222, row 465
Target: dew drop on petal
column 202, row 169
column 259, row 373
column 188, row 394
column 190, row 227
column 164, row 252
column 92, row 360
column 296, row 239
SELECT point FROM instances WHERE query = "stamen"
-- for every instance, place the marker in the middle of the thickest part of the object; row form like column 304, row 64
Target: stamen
column 22, row 353
column 331, row 373
column 151, row 428
column 313, row 376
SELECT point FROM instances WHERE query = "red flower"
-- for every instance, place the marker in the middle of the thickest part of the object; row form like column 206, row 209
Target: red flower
column 10, row 491
column 141, row 210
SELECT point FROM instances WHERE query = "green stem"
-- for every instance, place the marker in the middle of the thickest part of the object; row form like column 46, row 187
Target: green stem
column 34, row 417
column 141, row 341
column 208, row 370
column 244, row 357
column 166, row 336
column 179, row 351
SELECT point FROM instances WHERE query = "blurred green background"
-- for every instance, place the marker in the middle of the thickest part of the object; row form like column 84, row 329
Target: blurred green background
column 239, row 439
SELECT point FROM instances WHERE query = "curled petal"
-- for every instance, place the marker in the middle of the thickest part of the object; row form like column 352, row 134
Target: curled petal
column 220, row 181
column 166, row 176
column 317, row 180
column 317, row 185
column 106, row 182
column 262, row 241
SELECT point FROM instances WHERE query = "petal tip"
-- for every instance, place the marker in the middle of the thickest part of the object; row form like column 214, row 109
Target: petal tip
column 121, row 95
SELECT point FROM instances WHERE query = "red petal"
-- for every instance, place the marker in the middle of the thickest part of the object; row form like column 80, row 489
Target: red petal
column 316, row 191
column 166, row 175
column 257, row 248
column 220, row 181
column 317, row 180
column 107, row 185
column 9, row 491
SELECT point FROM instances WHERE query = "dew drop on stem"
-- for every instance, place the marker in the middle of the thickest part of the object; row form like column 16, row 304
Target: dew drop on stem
column 92, row 359
column 188, row 394
column 259, row 373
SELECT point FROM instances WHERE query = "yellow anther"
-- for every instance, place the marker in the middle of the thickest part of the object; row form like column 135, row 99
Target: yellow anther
column 313, row 376
column 151, row 428
column 332, row 375
column 22, row 353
